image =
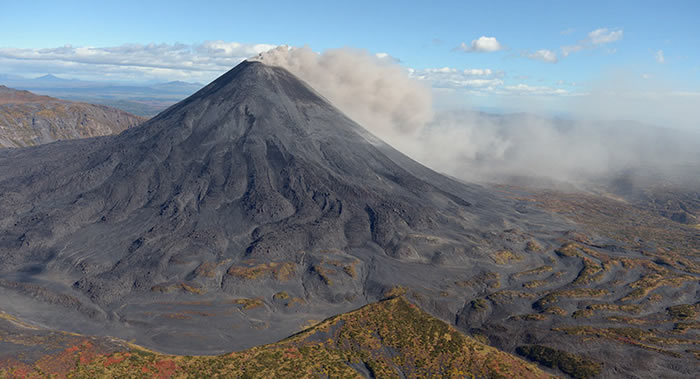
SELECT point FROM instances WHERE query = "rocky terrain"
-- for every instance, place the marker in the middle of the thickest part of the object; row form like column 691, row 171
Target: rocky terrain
column 145, row 100
column 254, row 207
column 27, row 119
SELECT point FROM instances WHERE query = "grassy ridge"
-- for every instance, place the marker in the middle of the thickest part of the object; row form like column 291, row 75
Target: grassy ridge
column 385, row 339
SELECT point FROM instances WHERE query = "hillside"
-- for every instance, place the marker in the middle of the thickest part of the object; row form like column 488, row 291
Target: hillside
column 391, row 338
column 27, row 119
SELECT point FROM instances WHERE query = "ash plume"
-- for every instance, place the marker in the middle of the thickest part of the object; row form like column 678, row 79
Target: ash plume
column 381, row 95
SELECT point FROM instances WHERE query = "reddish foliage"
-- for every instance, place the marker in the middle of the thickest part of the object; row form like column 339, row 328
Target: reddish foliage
column 166, row 368
column 18, row 369
column 59, row 365
column 112, row 360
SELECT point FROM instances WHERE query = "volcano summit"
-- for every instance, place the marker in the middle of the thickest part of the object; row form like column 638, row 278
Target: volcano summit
column 240, row 214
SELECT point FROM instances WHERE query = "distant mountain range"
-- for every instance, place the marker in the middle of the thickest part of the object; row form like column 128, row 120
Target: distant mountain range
column 27, row 119
column 361, row 343
column 143, row 100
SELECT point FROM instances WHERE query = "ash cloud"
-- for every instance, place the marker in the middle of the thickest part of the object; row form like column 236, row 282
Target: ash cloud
column 385, row 98
column 373, row 90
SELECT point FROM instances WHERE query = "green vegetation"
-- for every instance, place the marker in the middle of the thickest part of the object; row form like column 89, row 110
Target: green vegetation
column 583, row 313
column 508, row 296
column 629, row 308
column 642, row 338
column 395, row 291
column 534, row 271
column 365, row 340
column 589, row 272
column 503, row 257
column 682, row 327
column 207, row 269
column 534, row 283
column 488, row 279
column 479, row 304
column 248, row 303
column 322, row 273
column 568, row 363
column 295, row 301
column 533, row 246
column 350, row 270
column 667, row 241
column 682, row 312
column 554, row 310
column 189, row 288
column 278, row 270
column 555, row 296
column 569, row 249
column 650, row 282
column 282, row 295
column 530, row 317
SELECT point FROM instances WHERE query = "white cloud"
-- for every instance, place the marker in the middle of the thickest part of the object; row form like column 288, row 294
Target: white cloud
column 566, row 50
column 543, row 55
column 478, row 71
column 594, row 40
column 567, row 31
column 481, row 45
column 603, row 36
column 524, row 89
column 202, row 61
column 467, row 79
column 481, row 82
column 469, row 71
column 659, row 56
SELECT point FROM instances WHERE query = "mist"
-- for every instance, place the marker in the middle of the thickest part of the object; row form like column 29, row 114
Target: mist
column 375, row 92
column 382, row 96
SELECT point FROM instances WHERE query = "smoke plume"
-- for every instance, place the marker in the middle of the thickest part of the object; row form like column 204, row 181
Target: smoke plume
column 380, row 94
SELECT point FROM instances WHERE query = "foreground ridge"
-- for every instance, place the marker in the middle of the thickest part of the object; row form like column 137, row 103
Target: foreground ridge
column 390, row 338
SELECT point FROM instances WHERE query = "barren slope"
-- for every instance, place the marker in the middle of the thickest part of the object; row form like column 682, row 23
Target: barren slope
column 27, row 119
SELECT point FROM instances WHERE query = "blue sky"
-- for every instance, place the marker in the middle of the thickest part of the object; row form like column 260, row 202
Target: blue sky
column 646, row 45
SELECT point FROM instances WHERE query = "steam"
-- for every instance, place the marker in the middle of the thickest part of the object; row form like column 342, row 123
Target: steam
column 381, row 95
column 374, row 91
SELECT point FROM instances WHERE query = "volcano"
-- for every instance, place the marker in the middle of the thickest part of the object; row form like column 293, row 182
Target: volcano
column 254, row 179
column 255, row 208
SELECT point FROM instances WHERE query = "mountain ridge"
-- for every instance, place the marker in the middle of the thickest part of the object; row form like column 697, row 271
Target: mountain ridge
column 252, row 170
column 359, row 343
column 28, row 119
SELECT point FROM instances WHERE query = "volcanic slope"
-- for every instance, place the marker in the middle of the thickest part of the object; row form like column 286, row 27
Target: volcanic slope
column 27, row 119
column 253, row 184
